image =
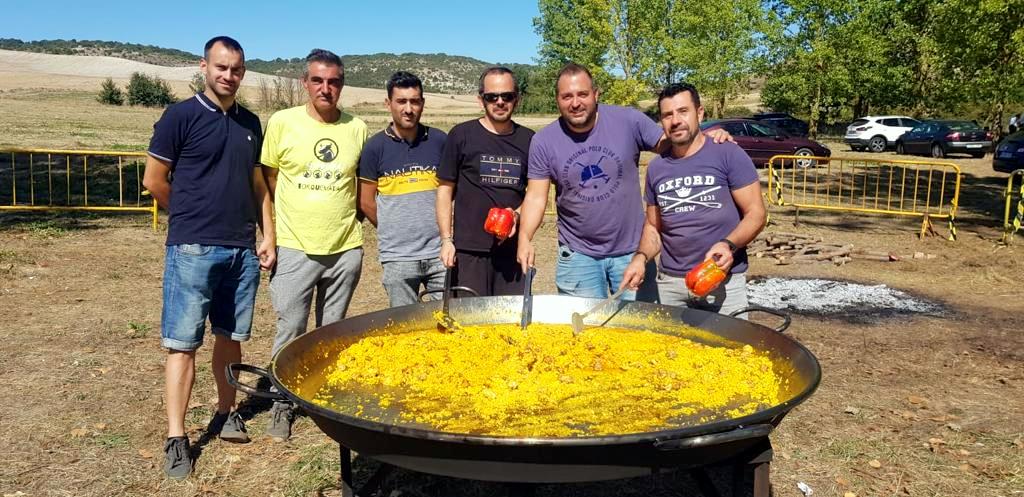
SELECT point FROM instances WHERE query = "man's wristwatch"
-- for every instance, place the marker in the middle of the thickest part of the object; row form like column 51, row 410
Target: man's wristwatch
column 732, row 246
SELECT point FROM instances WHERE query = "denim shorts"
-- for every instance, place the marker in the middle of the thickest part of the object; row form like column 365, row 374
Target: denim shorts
column 203, row 281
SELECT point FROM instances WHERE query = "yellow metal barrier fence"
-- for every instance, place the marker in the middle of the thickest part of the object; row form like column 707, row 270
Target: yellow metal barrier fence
column 1011, row 228
column 929, row 190
column 74, row 180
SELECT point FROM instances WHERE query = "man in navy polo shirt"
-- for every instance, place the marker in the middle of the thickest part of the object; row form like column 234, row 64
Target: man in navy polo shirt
column 203, row 168
column 397, row 192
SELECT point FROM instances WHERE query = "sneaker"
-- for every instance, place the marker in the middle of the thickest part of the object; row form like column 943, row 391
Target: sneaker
column 229, row 426
column 177, row 458
column 282, row 415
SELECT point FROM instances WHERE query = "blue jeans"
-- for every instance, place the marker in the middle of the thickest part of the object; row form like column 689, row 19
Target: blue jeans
column 403, row 280
column 207, row 281
column 580, row 275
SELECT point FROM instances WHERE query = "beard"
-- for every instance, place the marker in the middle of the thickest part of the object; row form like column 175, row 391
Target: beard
column 682, row 140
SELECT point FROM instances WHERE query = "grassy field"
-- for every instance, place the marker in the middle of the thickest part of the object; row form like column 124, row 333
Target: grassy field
column 911, row 406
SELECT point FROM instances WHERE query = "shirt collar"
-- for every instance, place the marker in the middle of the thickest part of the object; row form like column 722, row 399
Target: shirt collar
column 422, row 134
column 210, row 106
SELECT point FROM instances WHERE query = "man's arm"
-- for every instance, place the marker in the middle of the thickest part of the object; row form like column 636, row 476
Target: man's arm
column 270, row 175
column 368, row 199
column 155, row 179
column 445, row 193
column 650, row 247
column 531, row 214
column 267, row 249
column 752, row 218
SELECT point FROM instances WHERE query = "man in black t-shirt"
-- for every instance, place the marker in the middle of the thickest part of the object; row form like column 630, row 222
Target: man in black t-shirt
column 483, row 166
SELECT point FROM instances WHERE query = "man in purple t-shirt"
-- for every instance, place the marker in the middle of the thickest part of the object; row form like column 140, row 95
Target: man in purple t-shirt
column 703, row 202
column 591, row 153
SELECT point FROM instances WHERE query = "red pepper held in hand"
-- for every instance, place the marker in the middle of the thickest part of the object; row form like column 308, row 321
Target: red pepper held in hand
column 704, row 278
column 499, row 222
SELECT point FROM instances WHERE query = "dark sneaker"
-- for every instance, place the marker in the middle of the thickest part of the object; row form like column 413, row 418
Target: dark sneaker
column 229, row 426
column 177, row 458
column 282, row 415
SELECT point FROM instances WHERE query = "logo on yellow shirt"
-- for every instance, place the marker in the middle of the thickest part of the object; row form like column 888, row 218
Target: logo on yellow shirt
column 325, row 150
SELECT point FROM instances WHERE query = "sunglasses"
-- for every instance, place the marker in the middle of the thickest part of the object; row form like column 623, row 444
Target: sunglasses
column 507, row 96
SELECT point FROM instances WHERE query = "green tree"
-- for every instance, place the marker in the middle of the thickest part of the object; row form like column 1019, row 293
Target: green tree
column 110, row 94
column 149, row 91
column 717, row 45
column 982, row 50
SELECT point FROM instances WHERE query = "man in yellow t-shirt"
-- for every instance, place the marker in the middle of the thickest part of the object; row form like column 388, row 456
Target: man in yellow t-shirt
column 311, row 153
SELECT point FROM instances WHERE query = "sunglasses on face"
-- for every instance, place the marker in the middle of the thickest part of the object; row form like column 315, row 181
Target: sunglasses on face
column 507, row 96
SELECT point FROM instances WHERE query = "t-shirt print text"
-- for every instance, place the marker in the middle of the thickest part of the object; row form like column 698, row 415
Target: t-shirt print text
column 504, row 170
column 687, row 193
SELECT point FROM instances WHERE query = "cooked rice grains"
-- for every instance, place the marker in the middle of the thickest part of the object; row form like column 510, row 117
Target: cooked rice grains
column 543, row 382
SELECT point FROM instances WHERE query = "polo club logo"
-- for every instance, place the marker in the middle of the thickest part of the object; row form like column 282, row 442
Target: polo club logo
column 592, row 173
column 325, row 150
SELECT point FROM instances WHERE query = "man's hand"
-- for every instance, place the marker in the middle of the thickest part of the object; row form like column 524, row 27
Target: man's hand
column 719, row 135
column 722, row 254
column 448, row 253
column 267, row 253
column 633, row 276
column 525, row 254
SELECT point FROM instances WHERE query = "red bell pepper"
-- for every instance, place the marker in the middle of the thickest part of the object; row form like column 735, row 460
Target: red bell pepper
column 704, row 278
column 500, row 221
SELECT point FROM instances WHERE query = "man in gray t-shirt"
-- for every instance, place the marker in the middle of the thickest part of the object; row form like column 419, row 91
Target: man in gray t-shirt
column 591, row 154
column 398, row 191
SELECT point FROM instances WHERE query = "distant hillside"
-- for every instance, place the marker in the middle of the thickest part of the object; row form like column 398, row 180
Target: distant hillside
column 441, row 73
column 131, row 51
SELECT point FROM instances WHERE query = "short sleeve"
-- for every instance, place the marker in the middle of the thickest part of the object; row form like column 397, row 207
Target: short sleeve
column 257, row 131
column 741, row 171
column 538, row 166
column 451, row 156
column 269, row 155
column 650, row 131
column 650, row 194
column 369, row 161
column 169, row 134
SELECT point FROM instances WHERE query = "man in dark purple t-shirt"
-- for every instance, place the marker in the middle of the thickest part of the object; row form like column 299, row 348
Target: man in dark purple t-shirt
column 591, row 154
column 703, row 202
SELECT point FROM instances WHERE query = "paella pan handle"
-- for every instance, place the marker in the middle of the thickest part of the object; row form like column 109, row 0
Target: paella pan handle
column 242, row 387
column 745, row 433
column 787, row 320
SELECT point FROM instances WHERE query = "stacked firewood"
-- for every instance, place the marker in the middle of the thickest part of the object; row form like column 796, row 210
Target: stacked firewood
column 794, row 248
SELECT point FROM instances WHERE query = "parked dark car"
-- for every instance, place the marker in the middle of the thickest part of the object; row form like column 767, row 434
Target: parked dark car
column 940, row 138
column 791, row 125
column 761, row 141
column 1009, row 155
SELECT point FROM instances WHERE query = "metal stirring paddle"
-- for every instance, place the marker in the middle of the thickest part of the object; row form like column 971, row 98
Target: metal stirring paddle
column 442, row 317
column 528, row 299
column 577, row 318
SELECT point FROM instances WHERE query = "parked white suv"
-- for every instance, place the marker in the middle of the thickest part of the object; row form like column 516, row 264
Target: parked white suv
column 877, row 133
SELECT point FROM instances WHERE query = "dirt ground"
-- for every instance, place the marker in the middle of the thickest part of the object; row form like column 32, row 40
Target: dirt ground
column 920, row 406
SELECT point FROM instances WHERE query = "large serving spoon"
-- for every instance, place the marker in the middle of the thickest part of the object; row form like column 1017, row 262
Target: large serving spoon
column 443, row 318
column 577, row 318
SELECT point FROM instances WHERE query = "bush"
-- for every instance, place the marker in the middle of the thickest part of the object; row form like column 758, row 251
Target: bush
column 110, row 94
column 198, row 83
column 149, row 91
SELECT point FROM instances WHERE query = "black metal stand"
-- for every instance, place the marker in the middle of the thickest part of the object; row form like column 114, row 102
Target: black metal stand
column 759, row 458
column 370, row 486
